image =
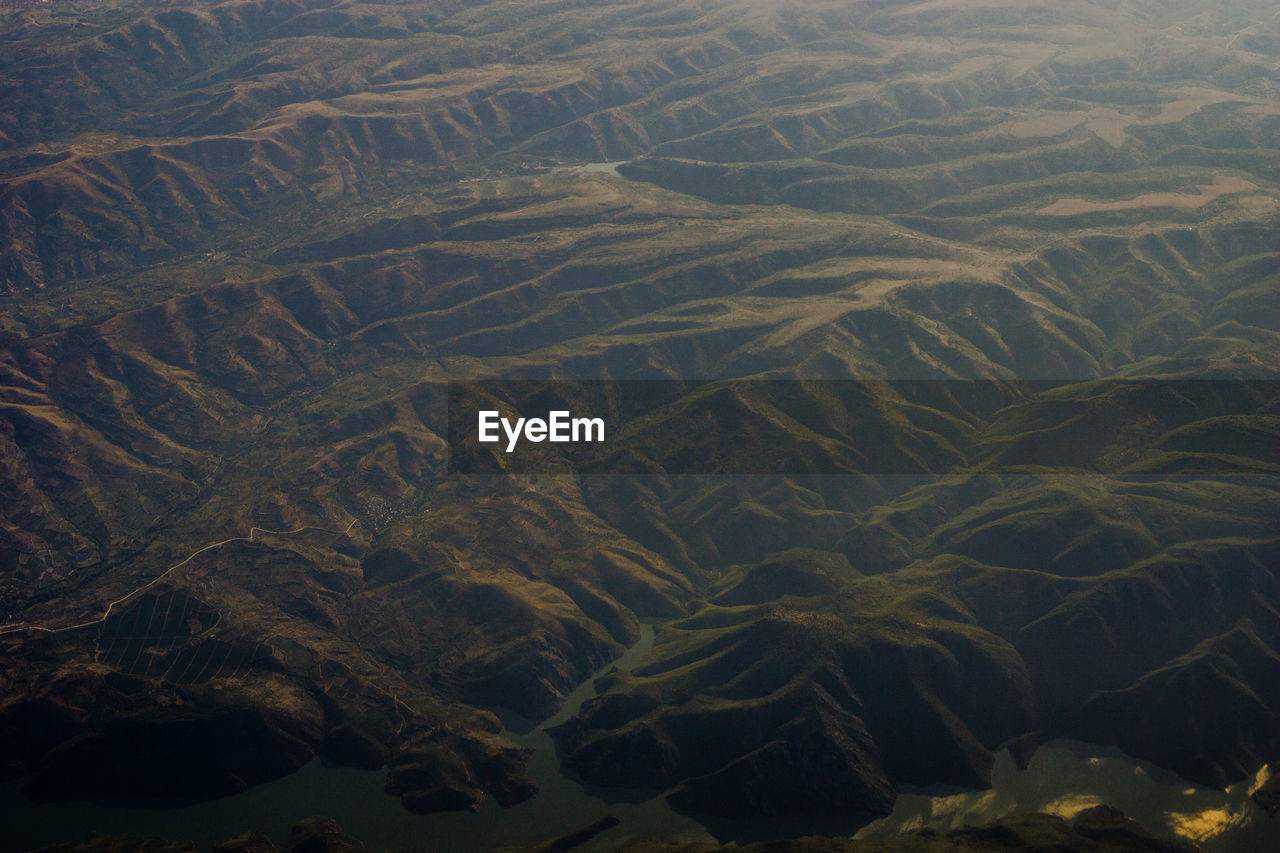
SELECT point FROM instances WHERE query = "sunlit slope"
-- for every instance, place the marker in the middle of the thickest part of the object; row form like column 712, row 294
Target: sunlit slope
column 151, row 136
column 245, row 244
column 952, row 618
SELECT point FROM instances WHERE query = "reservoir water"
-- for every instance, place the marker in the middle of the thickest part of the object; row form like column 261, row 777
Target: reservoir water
column 1064, row 778
column 355, row 798
column 1061, row 778
column 610, row 168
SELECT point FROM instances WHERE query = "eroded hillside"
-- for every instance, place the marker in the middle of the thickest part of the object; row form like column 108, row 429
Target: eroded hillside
column 247, row 243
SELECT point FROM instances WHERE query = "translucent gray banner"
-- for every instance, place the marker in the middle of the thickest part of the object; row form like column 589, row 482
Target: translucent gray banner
column 1113, row 426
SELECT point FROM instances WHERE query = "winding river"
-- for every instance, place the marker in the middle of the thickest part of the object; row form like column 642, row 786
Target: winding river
column 1061, row 778
column 355, row 798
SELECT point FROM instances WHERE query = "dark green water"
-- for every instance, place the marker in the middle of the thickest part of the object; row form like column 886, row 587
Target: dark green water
column 355, row 799
column 1061, row 778
column 1065, row 778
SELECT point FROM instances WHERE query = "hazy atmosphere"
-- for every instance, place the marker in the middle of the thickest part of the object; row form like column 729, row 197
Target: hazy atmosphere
column 654, row 426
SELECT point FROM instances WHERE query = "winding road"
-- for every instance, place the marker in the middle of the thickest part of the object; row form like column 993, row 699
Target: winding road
column 27, row 626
